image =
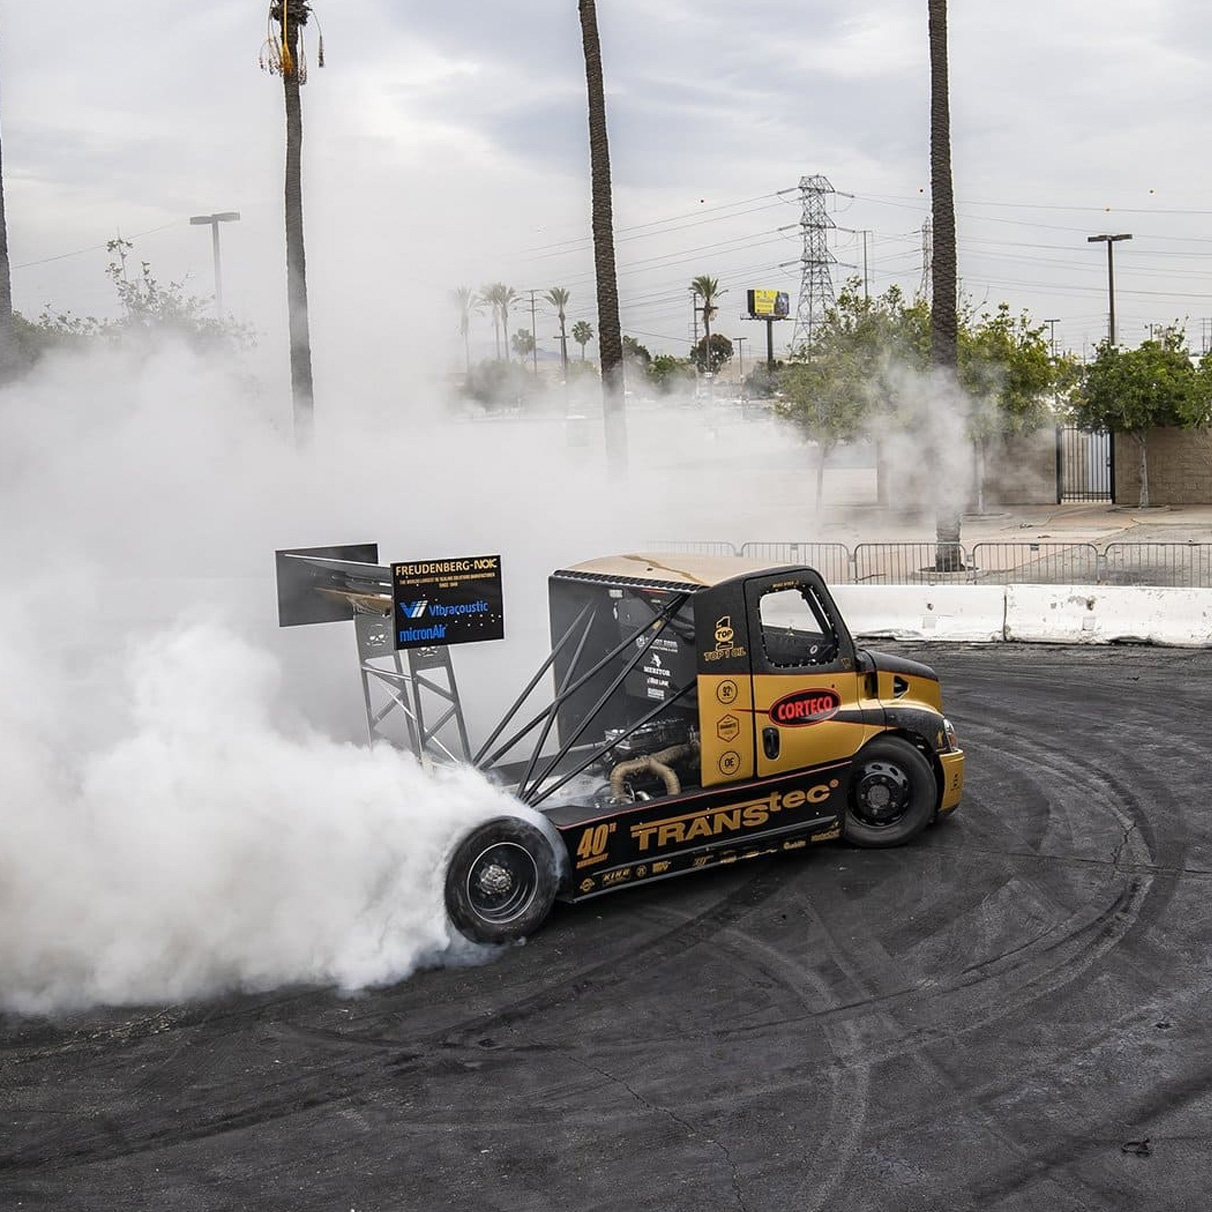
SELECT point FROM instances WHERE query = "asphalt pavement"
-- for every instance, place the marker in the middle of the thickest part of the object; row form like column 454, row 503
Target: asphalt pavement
column 1007, row 1015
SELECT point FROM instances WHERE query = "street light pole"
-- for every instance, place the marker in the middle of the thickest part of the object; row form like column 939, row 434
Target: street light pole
column 1110, row 241
column 740, row 353
column 213, row 221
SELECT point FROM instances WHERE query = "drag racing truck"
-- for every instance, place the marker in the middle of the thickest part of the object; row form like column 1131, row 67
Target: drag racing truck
column 704, row 710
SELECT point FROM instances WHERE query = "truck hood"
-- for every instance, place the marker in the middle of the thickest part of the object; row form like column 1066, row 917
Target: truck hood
column 869, row 661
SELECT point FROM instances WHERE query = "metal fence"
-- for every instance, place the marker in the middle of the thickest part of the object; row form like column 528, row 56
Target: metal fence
column 832, row 560
column 1184, row 565
column 911, row 564
column 693, row 546
column 1035, row 563
column 1181, row 565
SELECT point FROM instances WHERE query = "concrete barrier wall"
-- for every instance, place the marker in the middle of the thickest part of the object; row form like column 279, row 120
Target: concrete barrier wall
column 1103, row 614
column 962, row 613
column 1048, row 614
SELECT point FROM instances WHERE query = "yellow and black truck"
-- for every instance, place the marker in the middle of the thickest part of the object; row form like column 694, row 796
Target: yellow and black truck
column 706, row 710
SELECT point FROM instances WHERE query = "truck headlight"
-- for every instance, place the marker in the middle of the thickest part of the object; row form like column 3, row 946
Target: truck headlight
column 949, row 733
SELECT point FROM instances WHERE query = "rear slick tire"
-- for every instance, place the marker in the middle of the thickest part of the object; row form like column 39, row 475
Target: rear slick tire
column 501, row 881
column 892, row 794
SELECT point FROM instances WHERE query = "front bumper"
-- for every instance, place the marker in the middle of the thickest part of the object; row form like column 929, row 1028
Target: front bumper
column 953, row 780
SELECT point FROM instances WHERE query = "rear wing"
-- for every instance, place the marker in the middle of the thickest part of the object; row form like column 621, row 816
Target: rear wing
column 328, row 584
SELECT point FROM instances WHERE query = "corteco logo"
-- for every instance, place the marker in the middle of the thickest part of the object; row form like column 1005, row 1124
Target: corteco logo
column 805, row 707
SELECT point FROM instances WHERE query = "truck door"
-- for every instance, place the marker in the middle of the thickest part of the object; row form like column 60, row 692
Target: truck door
column 807, row 706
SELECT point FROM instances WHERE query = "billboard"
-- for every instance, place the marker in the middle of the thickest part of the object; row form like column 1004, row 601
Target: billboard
column 450, row 601
column 769, row 304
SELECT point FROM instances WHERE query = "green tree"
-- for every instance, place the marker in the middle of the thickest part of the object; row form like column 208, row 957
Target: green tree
column 558, row 297
column 667, row 373
column 831, row 391
column 467, row 302
column 1008, row 374
column 496, row 385
column 522, row 343
column 944, row 270
column 636, row 360
column 761, row 382
column 610, row 333
column 284, row 55
column 635, row 352
column 721, row 350
column 871, row 356
column 582, row 334
column 148, row 309
column 1132, row 391
column 707, row 290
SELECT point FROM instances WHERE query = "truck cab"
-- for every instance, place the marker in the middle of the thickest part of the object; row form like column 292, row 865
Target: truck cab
column 753, row 667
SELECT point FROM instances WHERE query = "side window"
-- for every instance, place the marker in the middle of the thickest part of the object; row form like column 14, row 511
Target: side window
column 795, row 630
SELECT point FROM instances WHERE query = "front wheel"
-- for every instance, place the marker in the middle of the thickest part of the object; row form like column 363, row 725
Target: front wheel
column 501, row 882
column 892, row 794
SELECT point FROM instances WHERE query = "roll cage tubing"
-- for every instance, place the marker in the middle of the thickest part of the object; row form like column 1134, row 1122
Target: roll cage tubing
column 548, row 714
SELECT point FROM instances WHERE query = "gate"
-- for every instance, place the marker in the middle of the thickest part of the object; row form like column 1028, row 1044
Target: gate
column 1085, row 466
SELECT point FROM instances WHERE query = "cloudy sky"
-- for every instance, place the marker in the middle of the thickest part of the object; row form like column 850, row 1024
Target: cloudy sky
column 446, row 145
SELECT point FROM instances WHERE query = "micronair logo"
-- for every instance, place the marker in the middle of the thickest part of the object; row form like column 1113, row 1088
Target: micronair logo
column 414, row 610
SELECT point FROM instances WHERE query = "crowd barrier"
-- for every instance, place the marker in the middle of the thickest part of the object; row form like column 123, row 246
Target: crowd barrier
column 1172, row 565
column 1057, row 593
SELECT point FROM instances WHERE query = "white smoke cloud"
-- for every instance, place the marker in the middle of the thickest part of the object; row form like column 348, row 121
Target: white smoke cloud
column 187, row 802
column 172, row 823
column 210, row 848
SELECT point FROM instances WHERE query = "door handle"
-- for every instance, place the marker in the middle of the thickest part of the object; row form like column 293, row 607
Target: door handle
column 770, row 742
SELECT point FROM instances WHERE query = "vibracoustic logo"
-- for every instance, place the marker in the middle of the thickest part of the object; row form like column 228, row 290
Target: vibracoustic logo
column 414, row 610
column 442, row 612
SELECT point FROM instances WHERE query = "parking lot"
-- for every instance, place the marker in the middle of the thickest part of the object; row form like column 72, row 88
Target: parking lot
column 1008, row 1014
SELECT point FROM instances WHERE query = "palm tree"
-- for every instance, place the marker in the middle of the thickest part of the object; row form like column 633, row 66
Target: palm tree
column 8, row 338
column 467, row 301
column 582, row 334
column 284, row 55
column 506, row 299
column 707, row 291
column 487, row 298
column 943, row 269
column 558, row 297
column 610, row 333
column 499, row 298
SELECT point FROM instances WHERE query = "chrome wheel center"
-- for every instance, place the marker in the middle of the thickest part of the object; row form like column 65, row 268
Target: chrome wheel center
column 495, row 880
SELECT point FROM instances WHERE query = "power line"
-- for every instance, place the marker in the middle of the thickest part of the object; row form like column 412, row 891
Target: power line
column 151, row 231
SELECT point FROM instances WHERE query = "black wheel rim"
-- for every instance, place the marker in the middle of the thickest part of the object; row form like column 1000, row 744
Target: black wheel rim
column 501, row 882
column 883, row 794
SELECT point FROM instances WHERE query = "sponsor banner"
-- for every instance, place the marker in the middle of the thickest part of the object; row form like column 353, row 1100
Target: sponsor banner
column 436, row 603
column 769, row 304
column 593, row 884
column 655, row 833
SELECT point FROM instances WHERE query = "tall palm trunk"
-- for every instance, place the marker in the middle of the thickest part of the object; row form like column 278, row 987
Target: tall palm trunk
column 8, row 337
column 610, row 333
column 943, row 274
column 296, row 260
